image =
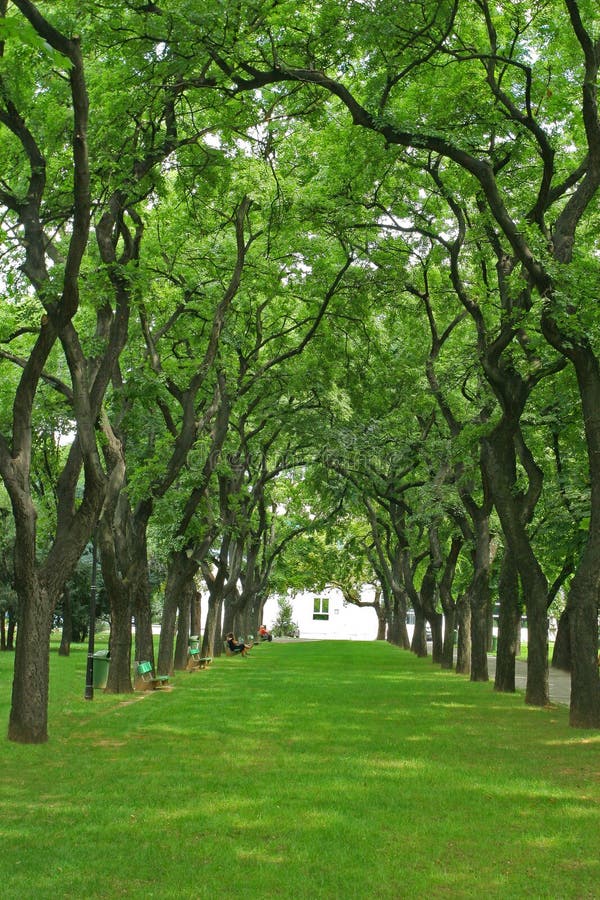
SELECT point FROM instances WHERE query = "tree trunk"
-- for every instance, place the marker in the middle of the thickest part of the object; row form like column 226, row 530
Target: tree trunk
column 196, row 612
column 119, row 671
column 254, row 610
column 395, row 607
column 514, row 511
column 427, row 597
column 28, row 723
column 447, row 601
column 509, row 624
column 463, row 645
column 141, row 591
column 479, row 663
column 583, row 628
column 180, row 577
column 229, row 617
column 479, row 599
column 183, row 627
column 67, row 626
column 10, row 631
column 449, row 637
column 144, row 640
column 381, row 623
column 561, row 656
column 118, row 593
column 393, row 627
column 419, row 641
column 437, row 640
column 212, row 642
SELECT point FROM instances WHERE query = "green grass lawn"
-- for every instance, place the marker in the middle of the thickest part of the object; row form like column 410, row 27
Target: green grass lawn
column 309, row 770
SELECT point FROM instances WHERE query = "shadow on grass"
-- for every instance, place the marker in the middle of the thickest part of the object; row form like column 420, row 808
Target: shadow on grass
column 312, row 771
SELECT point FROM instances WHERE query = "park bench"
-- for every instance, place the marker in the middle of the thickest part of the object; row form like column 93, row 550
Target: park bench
column 146, row 680
column 195, row 661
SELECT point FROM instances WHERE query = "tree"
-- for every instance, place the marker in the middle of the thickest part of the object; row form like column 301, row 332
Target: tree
column 491, row 50
column 284, row 625
column 52, row 266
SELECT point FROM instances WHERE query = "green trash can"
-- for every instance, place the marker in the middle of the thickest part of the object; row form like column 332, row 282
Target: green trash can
column 101, row 661
column 494, row 644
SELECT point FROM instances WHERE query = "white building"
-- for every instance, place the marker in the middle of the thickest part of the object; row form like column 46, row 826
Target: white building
column 327, row 616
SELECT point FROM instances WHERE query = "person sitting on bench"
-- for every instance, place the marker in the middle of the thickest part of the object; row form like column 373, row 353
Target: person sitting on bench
column 264, row 634
column 237, row 646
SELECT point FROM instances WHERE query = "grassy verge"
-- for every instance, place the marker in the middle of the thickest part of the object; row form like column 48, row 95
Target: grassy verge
column 309, row 770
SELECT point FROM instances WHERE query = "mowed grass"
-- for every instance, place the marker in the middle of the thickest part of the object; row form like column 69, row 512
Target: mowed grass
column 309, row 770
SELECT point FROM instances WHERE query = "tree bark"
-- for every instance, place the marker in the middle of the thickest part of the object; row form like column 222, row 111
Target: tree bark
column 67, row 626
column 479, row 600
column 463, row 644
column 183, row 627
column 514, row 512
column 196, row 612
column 509, row 624
column 583, row 631
column 561, row 656
column 582, row 601
column 119, row 671
column 180, row 581
column 28, row 723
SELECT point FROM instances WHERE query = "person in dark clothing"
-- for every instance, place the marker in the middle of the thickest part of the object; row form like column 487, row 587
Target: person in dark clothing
column 237, row 646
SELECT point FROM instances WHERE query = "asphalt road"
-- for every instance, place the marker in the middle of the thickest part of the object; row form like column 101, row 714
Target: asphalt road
column 560, row 682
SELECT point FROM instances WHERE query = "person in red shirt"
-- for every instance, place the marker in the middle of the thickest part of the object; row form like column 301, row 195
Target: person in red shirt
column 264, row 635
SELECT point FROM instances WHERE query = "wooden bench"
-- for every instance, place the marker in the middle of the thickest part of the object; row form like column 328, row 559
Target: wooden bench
column 195, row 661
column 146, row 680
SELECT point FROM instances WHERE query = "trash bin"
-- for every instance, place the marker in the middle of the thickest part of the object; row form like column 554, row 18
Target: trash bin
column 101, row 661
column 494, row 644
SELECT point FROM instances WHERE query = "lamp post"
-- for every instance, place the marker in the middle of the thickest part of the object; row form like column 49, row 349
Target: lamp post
column 89, row 676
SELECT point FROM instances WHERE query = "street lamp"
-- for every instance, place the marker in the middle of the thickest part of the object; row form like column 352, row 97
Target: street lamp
column 89, row 676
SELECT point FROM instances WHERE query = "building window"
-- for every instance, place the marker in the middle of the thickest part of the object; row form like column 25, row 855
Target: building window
column 321, row 608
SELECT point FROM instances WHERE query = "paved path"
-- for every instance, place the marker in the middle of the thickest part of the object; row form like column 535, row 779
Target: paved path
column 560, row 682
